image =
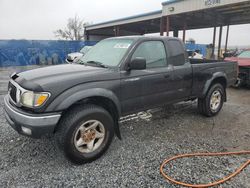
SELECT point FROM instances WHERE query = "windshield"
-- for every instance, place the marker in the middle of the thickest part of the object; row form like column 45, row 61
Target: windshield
column 85, row 49
column 107, row 52
column 245, row 54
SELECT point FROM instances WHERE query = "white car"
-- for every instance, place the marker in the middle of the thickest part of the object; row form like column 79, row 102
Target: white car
column 75, row 56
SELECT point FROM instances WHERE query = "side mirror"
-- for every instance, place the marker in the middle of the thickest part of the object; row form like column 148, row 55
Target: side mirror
column 139, row 63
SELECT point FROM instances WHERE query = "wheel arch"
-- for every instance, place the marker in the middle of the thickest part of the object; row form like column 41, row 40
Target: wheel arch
column 220, row 78
column 98, row 96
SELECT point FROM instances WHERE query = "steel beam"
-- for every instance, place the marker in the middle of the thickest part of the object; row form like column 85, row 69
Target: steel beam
column 176, row 32
column 167, row 25
column 86, row 33
column 184, row 31
column 116, row 30
column 227, row 38
column 219, row 44
column 162, row 26
column 214, row 37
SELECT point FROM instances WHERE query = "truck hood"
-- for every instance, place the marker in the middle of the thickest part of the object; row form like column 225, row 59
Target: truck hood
column 243, row 62
column 61, row 77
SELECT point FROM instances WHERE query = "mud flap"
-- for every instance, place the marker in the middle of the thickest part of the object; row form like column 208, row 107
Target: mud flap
column 117, row 130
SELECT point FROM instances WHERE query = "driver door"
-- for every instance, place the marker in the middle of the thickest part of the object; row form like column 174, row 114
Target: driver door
column 142, row 89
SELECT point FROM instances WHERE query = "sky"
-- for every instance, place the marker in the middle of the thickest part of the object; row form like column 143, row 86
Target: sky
column 38, row 19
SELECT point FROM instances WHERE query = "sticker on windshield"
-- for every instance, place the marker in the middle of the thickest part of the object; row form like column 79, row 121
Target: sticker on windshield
column 122, row 45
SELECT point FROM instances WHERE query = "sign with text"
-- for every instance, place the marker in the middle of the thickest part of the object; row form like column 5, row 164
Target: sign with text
column 212, row 2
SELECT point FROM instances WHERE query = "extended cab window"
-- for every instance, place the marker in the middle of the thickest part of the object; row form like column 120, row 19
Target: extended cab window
column 177, row 57
column 153, row 52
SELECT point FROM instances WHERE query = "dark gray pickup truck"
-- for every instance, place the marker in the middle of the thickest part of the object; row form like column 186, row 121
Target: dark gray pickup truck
column 82, row 103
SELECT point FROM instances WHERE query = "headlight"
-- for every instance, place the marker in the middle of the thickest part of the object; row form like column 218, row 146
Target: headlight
column 32, row 99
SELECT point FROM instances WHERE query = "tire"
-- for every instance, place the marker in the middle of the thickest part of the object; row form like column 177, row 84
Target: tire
column 85, row 133
column 212, row 103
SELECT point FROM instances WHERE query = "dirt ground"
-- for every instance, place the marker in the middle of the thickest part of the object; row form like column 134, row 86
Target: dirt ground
column 134, row 161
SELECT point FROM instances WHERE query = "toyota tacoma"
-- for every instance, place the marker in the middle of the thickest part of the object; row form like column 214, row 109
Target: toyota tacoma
column 81, row 104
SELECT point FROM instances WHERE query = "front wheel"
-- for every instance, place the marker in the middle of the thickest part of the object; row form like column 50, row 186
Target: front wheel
column 212, row 103
column 85, row 133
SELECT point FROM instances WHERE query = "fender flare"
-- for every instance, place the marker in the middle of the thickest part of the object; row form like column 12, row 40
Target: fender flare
column 83, row 94
column 217, row 75
column 70, row 97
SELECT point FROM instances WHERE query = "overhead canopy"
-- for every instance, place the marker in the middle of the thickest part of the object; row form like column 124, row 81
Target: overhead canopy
column 191, row 14
column 198, row 14
column 138, row 24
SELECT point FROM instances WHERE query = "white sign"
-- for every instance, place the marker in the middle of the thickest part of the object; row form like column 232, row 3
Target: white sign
column 122, row 45
column 212, row 2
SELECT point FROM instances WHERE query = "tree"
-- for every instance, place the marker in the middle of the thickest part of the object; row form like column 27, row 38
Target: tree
column 74, row 30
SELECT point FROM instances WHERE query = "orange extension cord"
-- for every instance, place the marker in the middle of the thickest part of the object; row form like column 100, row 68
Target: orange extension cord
column 205, row 154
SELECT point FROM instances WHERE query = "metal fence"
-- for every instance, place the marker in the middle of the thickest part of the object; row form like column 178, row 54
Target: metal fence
column 37, row 52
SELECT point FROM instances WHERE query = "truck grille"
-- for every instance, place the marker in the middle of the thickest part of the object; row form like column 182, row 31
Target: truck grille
column 12, row 92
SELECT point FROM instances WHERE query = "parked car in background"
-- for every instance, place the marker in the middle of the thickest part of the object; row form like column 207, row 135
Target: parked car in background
column 231, row 53
column 243, row 60
column 75, row 56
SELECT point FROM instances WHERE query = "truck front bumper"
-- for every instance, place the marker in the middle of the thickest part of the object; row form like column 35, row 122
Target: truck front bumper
column 29, row 124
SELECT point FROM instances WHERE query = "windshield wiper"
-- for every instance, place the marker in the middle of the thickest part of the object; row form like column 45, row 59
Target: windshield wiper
column 79, row 61
column 97, row 63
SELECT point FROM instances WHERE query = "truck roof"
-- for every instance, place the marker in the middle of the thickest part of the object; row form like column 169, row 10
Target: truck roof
column 138, row 37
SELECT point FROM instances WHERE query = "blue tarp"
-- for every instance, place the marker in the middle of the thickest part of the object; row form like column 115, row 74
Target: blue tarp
column 201, row 47
column 37, row 52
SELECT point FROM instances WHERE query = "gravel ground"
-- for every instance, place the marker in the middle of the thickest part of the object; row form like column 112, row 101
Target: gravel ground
column 134, row 161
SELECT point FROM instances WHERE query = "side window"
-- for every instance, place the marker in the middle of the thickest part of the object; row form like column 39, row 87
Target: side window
column 153, row 52
column 177, row 56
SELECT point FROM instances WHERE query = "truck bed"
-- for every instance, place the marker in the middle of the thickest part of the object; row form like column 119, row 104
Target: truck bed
column 204, row 70
column 197, row 61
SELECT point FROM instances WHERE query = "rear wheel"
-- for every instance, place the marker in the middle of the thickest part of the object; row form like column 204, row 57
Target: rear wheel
column 212, row 103
column 85, row 133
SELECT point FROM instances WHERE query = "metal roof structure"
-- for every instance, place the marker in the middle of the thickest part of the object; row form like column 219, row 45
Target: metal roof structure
column 197, row 14
column 177, row 15
column 206, row 13
column 131, row 25
column 126, row 20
